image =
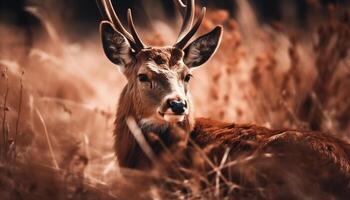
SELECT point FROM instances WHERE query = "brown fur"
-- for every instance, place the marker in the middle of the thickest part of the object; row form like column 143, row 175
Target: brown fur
column 318, row 161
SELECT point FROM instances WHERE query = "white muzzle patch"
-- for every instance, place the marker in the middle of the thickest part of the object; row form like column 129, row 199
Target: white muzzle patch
column 173, row 118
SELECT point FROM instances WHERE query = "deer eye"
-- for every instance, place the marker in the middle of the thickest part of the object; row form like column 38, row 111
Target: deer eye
column 143, row 78
column 187, row 77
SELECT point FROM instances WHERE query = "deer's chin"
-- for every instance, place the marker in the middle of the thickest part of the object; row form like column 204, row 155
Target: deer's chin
column 173, row 118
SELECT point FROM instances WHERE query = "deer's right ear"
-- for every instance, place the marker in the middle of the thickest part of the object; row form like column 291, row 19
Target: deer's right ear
column 115, row 45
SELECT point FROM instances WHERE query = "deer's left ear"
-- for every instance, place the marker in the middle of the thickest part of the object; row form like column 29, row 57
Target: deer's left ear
column 202, row 49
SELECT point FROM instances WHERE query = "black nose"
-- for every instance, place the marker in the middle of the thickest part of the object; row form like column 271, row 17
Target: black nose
column 178, row 107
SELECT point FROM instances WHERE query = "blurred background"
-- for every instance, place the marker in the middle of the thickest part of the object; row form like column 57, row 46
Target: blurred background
column 83, row 16
column 281, row 64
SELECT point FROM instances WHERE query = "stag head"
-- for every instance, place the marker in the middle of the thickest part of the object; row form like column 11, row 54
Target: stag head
column 157, row 77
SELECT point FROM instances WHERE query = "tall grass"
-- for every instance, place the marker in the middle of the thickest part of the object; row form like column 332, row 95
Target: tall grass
column 57, row 117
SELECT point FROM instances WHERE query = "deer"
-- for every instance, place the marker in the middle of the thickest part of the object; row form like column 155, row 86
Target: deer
column 157, row 98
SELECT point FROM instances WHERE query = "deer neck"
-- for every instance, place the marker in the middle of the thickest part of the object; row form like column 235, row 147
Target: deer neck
column 127, row 149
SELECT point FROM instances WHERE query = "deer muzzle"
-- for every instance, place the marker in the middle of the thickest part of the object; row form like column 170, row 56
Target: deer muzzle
column 174, row 109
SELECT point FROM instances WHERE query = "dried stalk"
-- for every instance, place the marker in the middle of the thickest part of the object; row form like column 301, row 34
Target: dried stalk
column 19, row 108
column 4, row 115
column 135, row 130
column 54, row 160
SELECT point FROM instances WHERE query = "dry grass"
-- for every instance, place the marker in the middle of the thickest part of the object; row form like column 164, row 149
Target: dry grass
column 57, row 117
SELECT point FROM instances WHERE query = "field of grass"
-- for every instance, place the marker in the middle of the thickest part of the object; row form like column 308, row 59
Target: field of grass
column 58, row 102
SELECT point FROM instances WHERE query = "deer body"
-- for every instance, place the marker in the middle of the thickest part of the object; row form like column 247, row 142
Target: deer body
column 156, row 97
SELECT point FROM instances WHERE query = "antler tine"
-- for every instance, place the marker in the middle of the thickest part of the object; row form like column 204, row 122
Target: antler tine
column 102, row 8
column 116, row 22
column 182, row 43
column 134, row 33
column 181, row 7
column 187, row 14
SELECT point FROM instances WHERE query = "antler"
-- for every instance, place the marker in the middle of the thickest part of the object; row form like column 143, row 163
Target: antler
column 182, row 7
column 187, row 13
column 133, row 30
column 108, row 13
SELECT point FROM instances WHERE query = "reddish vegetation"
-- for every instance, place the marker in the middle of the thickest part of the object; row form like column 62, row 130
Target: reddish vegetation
column 267, row 75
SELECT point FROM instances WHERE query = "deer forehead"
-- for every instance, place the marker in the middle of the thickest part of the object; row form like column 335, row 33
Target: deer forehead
column 167, row 56
column 164, row 61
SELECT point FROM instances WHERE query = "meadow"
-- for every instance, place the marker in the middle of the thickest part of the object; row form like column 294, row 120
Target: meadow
column 58, row 100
